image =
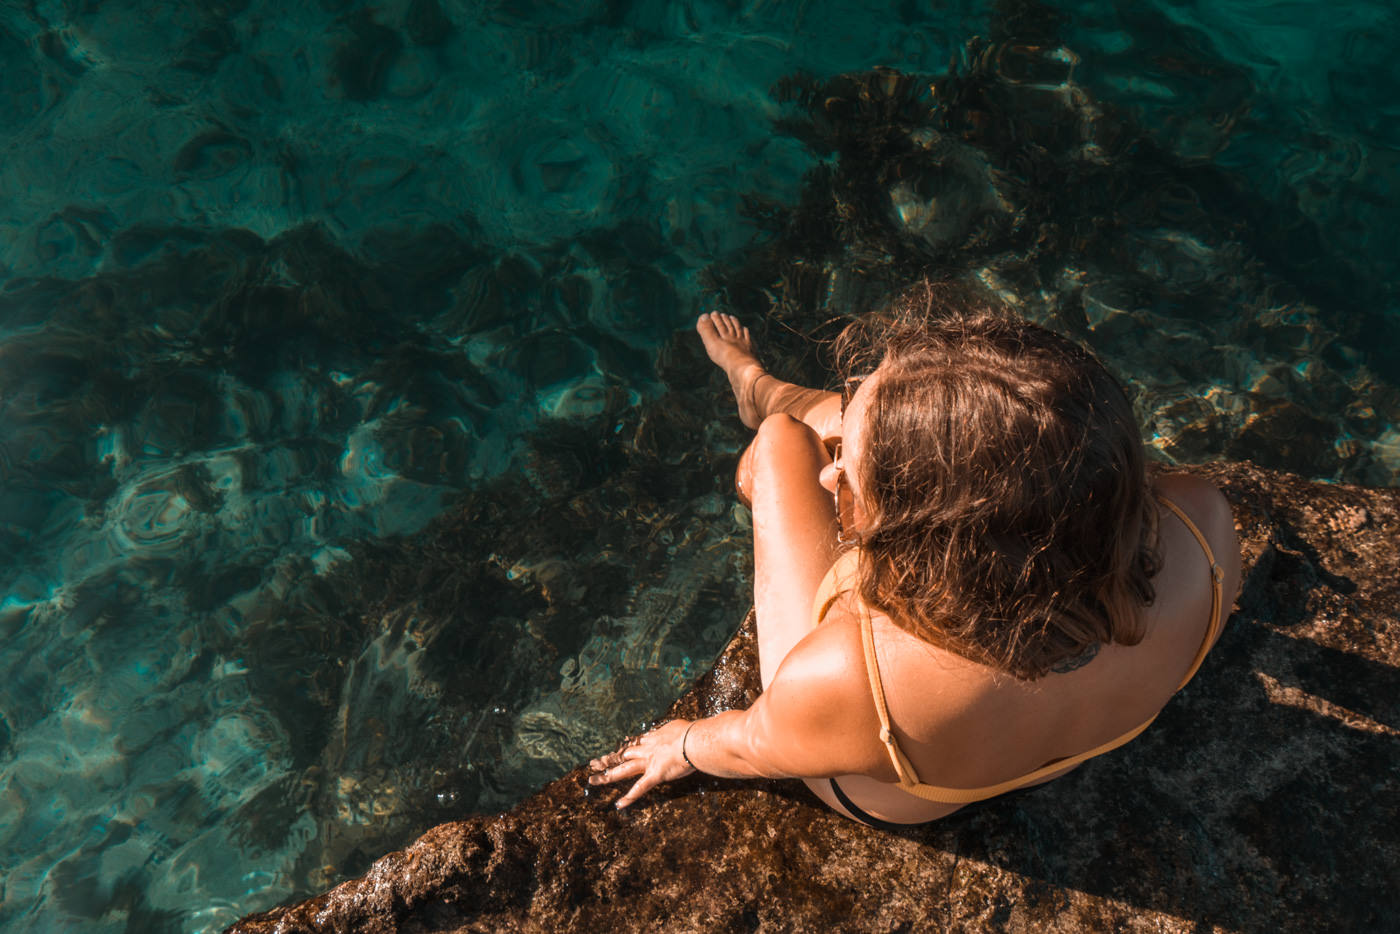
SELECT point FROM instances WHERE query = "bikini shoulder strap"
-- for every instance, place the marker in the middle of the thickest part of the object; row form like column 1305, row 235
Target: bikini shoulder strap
column 908, row 778
column 1217, row 577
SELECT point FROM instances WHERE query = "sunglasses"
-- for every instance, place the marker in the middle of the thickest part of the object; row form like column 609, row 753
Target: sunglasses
column 845, row 499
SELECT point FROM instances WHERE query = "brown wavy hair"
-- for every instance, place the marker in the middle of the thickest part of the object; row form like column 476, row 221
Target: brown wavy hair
column 1009, row 517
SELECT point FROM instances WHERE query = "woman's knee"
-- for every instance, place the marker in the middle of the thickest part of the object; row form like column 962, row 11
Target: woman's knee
column 781, row 445
column 743, row 477
column 777, row 435
column 781, row 430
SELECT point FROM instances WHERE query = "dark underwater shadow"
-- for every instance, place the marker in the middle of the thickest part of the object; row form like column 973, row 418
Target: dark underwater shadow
column 397, row 681
column 1242, row 331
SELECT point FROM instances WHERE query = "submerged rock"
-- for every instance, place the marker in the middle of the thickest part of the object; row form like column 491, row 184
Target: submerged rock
column 1265, row 796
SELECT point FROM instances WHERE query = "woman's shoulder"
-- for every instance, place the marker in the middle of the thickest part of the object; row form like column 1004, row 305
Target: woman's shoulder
column 836, row 630
column 1209, row 511
column 1195, row 495
column 901, row 656
column 827, row 667
column 1182, row 587
column 836, row 646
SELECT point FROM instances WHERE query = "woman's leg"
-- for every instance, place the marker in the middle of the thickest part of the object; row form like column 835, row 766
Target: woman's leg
column 794, row 516
column 758, row 392
column 794, row 534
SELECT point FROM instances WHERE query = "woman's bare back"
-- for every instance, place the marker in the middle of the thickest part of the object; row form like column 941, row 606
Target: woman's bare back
column 964, row 725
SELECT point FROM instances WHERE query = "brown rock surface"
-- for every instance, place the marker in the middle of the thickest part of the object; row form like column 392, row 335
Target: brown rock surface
column 1265, row 796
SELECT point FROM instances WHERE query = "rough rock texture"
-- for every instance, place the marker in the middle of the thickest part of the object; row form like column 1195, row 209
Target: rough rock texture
column 1264, row 798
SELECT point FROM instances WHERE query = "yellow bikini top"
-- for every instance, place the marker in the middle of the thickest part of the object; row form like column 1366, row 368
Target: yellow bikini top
column 837, row 582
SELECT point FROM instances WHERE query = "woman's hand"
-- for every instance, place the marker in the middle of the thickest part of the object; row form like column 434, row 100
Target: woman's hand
column 656, row 756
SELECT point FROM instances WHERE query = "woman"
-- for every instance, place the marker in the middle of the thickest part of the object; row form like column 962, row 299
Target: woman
column 977, row 592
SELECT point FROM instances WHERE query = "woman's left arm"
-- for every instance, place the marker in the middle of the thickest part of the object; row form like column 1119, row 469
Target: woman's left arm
column 808, row 724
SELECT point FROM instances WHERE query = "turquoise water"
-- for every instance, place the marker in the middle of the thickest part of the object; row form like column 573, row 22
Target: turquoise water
column 356, row 471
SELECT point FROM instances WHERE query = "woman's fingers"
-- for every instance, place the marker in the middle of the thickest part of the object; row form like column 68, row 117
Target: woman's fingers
column 614, row 769
column 614, row 758
column 604, row 762
column 644, row 784
column 652, row 758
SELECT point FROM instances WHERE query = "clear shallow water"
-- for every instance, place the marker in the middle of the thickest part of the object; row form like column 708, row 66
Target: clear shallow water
column 282, row 286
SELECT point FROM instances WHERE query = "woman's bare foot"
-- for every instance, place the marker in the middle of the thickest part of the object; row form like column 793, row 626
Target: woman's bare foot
column 729, row 346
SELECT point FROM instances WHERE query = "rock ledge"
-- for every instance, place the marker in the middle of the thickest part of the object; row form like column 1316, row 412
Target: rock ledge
column 1265, row 796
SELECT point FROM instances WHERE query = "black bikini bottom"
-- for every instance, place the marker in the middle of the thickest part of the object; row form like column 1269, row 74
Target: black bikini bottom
column 859, row 814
